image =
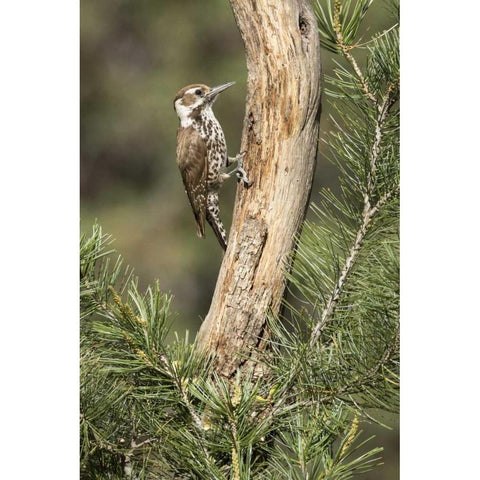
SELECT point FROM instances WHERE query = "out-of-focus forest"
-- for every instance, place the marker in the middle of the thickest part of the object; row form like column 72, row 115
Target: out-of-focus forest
column 135, row 56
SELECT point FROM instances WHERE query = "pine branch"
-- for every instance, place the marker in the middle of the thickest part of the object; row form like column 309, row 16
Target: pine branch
column 346, row 51
column 383, row 112
column 183, row 393
column 362, row 381
column 369, row 212
column 367, row 220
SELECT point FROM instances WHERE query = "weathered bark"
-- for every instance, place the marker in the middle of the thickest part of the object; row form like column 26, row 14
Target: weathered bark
column 280, row 136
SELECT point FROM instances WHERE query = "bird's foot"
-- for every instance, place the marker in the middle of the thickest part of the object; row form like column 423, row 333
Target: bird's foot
column 242, row 176
column 239, row 171
column 238, row 159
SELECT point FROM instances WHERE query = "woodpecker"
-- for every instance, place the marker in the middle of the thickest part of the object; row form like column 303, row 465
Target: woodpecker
column 202, row 155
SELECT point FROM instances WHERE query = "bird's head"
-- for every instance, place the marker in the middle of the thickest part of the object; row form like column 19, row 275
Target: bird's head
column 194, row 98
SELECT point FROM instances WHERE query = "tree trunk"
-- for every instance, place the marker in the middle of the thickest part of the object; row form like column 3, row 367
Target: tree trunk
column 280, row 135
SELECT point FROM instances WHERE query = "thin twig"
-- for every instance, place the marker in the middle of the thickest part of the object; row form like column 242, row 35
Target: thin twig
column 359, row 381
column 195, row 417
column 379, row 123
column 349, row 263
column 146, row 442
column 235, row 451
column 393, row 347
column 367, row 215
column 127, row 464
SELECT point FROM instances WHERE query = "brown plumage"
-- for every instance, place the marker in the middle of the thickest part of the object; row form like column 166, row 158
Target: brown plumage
column 192, row 162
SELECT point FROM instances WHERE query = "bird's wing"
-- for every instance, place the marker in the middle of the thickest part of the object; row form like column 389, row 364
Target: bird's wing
column 192, row 162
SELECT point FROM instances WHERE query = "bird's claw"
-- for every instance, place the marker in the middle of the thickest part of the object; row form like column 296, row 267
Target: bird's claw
column 242, row 176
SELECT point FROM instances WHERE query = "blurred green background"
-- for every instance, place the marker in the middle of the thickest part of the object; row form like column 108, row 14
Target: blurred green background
column 135, row 56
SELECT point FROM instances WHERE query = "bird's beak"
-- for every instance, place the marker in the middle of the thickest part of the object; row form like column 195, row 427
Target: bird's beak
column 212, row 94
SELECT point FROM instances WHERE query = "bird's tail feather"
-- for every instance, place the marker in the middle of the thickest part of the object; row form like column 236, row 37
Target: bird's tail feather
column 218, row 228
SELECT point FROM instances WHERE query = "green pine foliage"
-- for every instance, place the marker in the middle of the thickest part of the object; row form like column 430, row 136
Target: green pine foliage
column 152, row 408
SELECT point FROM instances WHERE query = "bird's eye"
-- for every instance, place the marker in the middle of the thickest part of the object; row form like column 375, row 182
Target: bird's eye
column 198, row 92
